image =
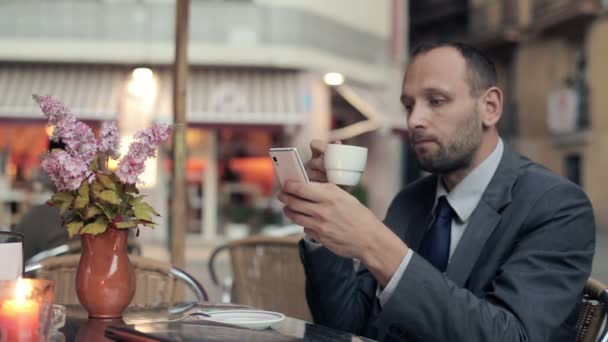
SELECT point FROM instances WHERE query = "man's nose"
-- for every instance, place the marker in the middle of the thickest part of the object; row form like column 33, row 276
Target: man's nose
column 417, row 117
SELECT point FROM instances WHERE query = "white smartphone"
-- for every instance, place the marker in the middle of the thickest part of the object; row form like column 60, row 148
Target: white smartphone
column 288, row 165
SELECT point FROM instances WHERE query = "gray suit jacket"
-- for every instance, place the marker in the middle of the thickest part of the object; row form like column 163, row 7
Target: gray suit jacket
column 516, row 275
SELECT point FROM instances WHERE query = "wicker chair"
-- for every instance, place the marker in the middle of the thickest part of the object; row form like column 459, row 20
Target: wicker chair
column 268, row 274
column 155, row 280
column 592, row 313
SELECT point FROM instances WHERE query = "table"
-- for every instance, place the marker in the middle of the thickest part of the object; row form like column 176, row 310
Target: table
column 79, row 328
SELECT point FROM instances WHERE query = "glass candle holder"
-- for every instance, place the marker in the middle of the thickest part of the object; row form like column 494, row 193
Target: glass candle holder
column 25, row 309
column 11, row 254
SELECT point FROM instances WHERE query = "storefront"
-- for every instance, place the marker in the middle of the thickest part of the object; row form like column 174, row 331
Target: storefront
column 23, row 132
column 234, row 116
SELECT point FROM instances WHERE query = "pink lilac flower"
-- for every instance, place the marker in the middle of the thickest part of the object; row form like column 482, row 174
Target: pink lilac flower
column 66, row 171
column 130, row 168
column 132, row 165
column 154, row 135
column 79, row 139
column 54, row 110
column 109, row 142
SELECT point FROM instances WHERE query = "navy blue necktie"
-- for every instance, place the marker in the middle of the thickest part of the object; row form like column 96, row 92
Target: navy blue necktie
column 435, row 246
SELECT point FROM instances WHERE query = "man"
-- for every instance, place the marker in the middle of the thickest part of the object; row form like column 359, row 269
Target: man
column 41, row 225
column 490, row 247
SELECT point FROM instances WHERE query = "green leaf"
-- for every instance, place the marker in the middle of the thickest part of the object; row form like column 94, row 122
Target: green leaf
column 63, row 207
column 81, row 202
column 73, row 227
column 149, row 208
column 136, row 200
column 147, row 223
column 84, row 189
column 54, row 203
column 142, row 214
column 79, row 214
column 63, row 196
column 95, row 164
column 126, row 224
column 82, row 199
column 99, row 226
column 109, row 196
column 144, row 211
column 107, row 181
column 92, row 211
column 107, row 211
column 97, row 186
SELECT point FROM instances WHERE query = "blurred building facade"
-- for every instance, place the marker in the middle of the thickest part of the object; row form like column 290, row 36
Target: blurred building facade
column 256, row 81
column 550, row 57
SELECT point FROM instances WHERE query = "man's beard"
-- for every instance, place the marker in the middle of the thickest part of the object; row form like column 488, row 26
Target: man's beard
column 459, row 150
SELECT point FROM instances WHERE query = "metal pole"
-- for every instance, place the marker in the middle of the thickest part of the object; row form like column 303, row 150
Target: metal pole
column 180, row 81
column 210, row 190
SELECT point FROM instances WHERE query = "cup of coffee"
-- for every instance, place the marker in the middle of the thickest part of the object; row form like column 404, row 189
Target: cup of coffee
column 344, row 164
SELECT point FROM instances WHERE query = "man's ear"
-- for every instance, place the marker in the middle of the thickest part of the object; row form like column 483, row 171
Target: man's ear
column 490, row 105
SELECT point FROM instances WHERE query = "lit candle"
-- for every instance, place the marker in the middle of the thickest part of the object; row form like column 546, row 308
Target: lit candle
column 19, row 316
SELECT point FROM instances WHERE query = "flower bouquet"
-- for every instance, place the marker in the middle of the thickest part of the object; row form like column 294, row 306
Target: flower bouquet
column 93, row 197
column 99, row 205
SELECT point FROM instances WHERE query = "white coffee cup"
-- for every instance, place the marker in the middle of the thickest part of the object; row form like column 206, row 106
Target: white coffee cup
column 344, row 164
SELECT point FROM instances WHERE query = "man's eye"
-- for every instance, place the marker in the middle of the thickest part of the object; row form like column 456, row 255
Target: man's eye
column 436, row 102
column 408, row 108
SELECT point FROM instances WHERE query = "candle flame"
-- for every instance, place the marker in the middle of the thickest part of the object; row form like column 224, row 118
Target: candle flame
column 23, row 289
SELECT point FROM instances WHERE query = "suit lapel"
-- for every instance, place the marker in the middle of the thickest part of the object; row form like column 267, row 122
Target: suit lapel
column 481, row 225
column 485, row 218
column 417, row 227
column 420, row 217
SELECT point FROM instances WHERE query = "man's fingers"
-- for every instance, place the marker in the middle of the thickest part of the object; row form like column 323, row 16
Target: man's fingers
column 317, row 147
column 300, row 219
column 313, row 192
column 316, row 164
column 315, row 168
column 316, row 176
column 313, row 234
column 297, row 204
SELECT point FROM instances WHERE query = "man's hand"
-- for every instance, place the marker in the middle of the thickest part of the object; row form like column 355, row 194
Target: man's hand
column 342, row 224
column 315, row 167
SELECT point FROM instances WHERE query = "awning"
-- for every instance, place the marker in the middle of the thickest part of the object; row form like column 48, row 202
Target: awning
column 372, row 103
column 91, row 92
column 216, row 95
column 240, row 96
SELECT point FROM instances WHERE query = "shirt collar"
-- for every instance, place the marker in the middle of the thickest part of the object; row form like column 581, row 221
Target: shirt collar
column 466, row 195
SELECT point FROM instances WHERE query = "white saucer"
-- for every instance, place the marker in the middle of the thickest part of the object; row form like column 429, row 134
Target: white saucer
column 252, row 319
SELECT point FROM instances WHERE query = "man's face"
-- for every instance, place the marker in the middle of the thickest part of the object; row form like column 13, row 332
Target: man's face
column 443, row 120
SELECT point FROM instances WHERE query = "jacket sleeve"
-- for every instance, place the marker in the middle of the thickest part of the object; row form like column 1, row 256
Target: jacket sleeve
column 531, row 295
column 338, row 296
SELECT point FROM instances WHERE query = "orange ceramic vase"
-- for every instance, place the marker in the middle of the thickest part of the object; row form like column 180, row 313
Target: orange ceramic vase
column 105, row 282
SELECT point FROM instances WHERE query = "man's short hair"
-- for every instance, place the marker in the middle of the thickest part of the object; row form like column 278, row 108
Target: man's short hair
column 481, row 71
